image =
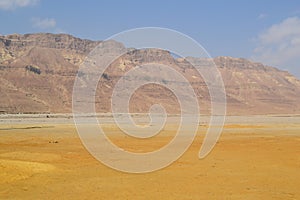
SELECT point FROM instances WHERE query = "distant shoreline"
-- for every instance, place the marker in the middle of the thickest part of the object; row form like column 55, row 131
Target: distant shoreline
column 103, row 118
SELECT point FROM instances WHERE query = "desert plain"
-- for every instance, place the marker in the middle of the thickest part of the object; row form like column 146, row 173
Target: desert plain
column 256, row 157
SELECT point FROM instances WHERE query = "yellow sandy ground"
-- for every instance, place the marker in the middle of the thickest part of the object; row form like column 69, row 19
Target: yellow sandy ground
column 248, row 162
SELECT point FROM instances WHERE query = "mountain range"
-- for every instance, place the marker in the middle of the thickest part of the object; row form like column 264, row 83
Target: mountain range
column 37, row 73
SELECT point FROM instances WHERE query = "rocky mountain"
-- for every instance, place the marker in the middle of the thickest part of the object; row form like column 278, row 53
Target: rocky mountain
column 37, row 73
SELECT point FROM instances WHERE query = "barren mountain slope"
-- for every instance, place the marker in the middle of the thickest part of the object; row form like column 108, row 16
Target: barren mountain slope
column 37, row 72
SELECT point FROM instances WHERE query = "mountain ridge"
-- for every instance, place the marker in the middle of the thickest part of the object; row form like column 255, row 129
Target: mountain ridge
column 32, row 66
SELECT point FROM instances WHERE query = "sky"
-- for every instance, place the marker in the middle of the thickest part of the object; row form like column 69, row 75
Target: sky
column 260, row 30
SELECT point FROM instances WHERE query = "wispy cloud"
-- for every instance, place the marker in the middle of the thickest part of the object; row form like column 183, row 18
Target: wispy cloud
column 279, row 45
column 262, row 16
column 13, row 4
column 46, row 23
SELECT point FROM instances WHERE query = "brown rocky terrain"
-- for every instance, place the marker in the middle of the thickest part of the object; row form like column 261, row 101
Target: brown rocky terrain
column 37, row 73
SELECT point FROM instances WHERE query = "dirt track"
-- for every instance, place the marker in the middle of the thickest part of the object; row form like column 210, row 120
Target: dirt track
column 252, row 160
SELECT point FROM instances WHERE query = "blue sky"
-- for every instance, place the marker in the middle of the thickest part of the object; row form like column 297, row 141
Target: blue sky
column 261, row 30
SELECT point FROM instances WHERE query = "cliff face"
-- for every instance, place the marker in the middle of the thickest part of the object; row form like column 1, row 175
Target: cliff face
column 261, row 89
column 37, row 72
column 46, row 40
